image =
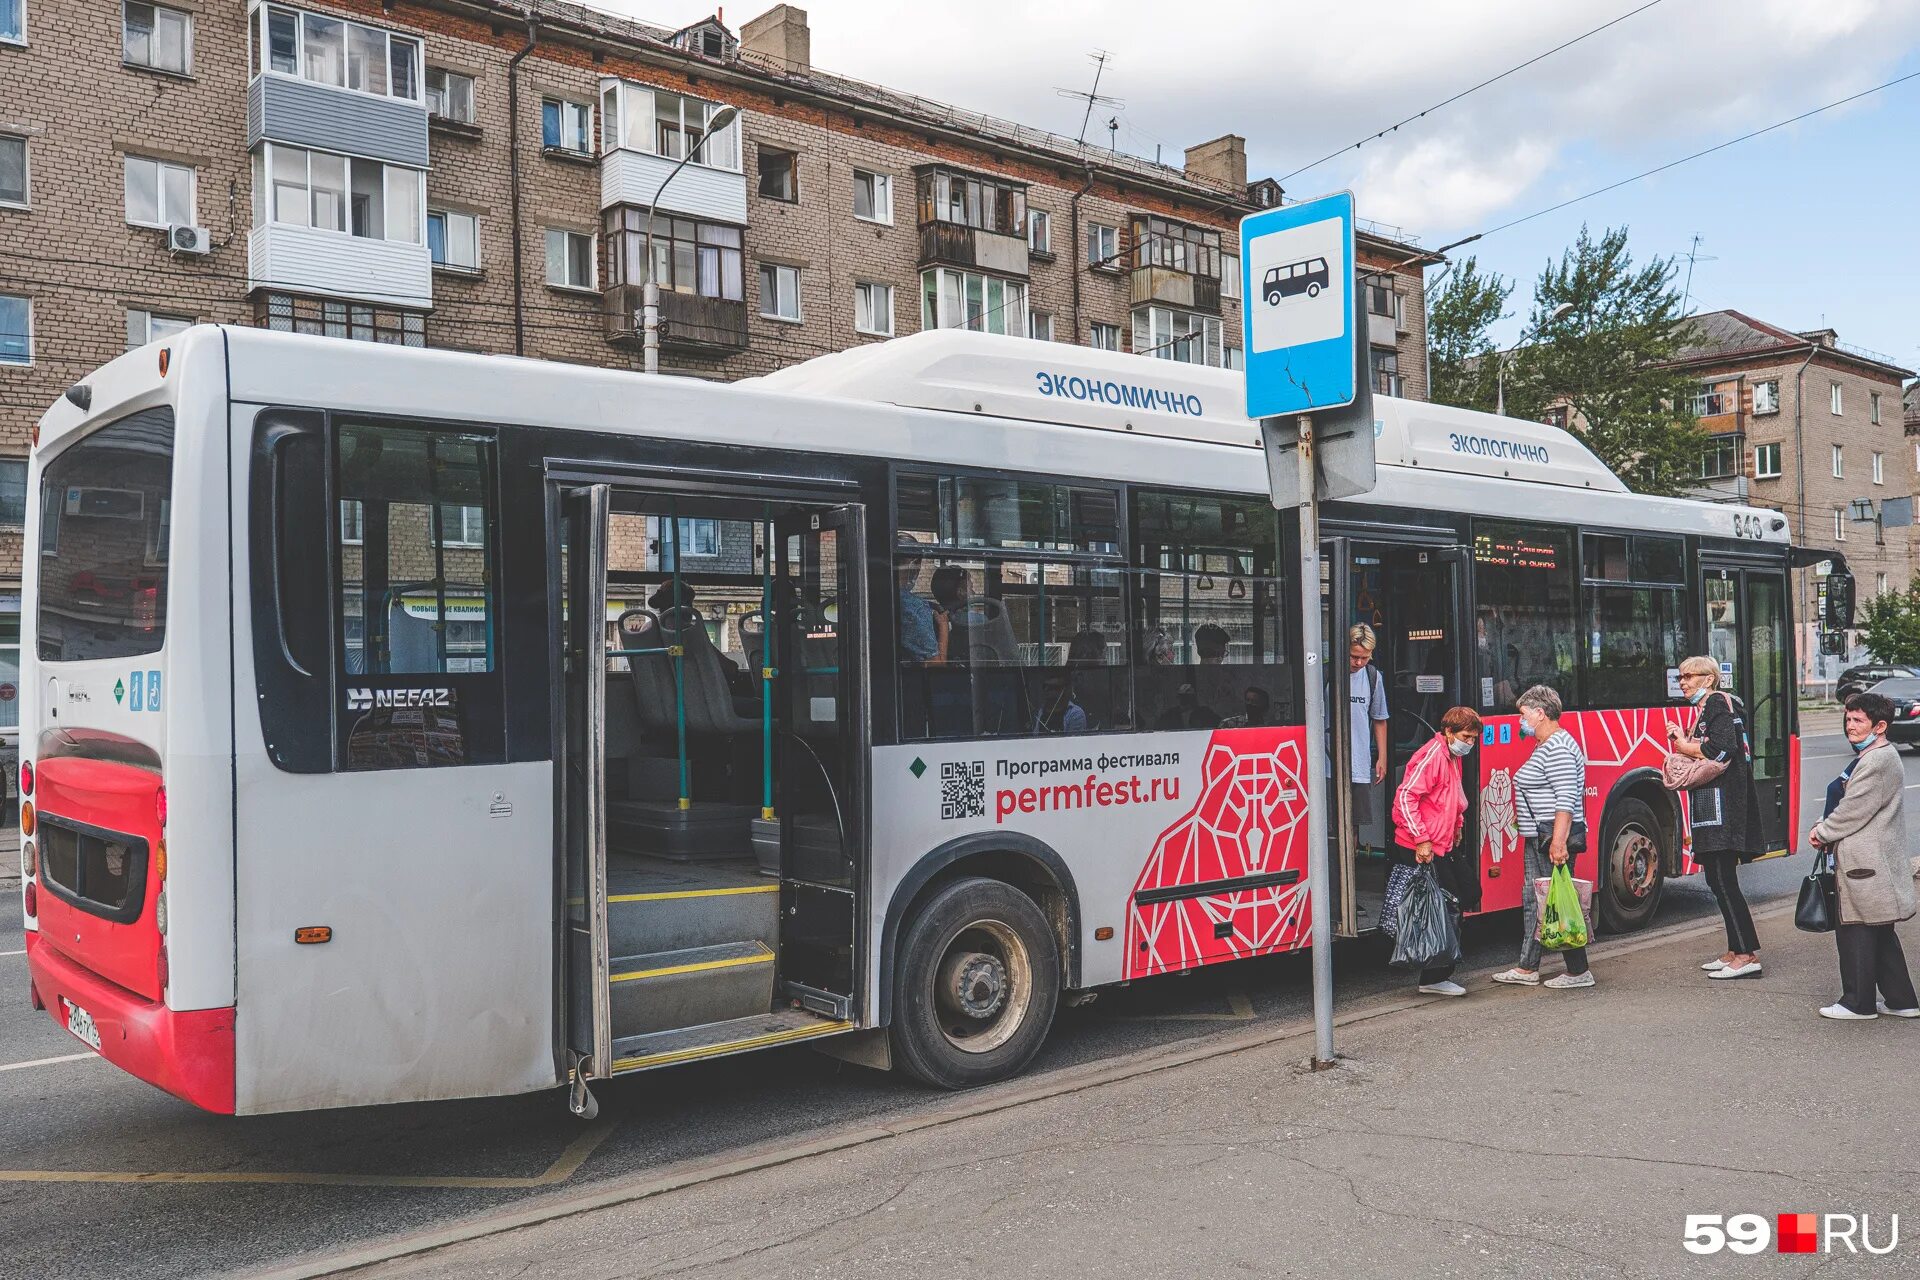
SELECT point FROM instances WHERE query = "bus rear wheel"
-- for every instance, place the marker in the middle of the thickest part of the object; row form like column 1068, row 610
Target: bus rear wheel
column 976, row 986
column 1632, row 870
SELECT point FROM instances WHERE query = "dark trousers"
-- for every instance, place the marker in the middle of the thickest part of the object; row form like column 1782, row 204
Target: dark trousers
column 1870, row 959
column 1723, row 877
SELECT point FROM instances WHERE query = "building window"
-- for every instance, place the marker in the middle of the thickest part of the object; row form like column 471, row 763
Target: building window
column 153, row 326
column 1766, row 396
column 1385, row 362
column 1236, row 358
column 639, row 118
column 333, row 193
column 1766, row 462
column 1183, row 336
column 13, row 21
column 450, row 95
column 16, row 329
column 779, row 291
column 566, row 126
column 453, row 240
column 1382, row 298
column 779, row 175
column 1721, row 458
column 331, row 318
column 569, row 259
column 1879, row 469
column 353, row 522
column 159, row 194
column 872, row 197
column 1710, row 402
column 1103, row 246
column 699, row 258
column 1229, row 275
column 330, row 51
column 1833, row 398
column 1177, row 246
column 14, row 188
column 1839, row 462
column 969, row 201
column 155, row 36
column 1879, row 584
column 952, row 299
column 1040, row 325
column 1873, row 407
column 873, row 309
column 1104, row 337
column 1040, row 232
column 13, row 514
column 1839, row 524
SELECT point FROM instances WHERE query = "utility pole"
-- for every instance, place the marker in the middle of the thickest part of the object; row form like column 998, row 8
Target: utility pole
column 650, row 294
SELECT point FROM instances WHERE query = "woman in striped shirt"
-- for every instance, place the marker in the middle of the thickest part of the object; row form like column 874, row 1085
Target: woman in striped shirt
column 1550, row 792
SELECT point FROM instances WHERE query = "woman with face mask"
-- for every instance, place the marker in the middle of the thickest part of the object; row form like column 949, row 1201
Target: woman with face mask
column 1429, row 810
column 1724, row 815
column 1549, row 792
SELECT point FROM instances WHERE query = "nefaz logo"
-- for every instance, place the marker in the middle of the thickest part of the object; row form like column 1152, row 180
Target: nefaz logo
column 369, row 699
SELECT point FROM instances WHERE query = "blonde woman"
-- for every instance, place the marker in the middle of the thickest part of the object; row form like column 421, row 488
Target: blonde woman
column 1723, row 816
column 1367, row 703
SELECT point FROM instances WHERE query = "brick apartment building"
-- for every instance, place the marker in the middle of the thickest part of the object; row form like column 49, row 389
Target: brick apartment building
column 476, row 174
column 1807, row 425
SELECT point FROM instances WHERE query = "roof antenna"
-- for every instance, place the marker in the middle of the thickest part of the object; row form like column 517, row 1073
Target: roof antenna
column 1693, row 255
column 1093, row 97
column 1113, row 134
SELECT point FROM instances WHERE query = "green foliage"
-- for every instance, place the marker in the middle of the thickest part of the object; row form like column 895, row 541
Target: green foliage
column 1460, row 312
column 1603, row 358
column 1890, row 627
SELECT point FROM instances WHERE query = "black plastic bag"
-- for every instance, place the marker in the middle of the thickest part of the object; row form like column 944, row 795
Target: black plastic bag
column 1429, row 935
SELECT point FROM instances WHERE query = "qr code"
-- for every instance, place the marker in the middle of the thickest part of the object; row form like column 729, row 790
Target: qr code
column 963, row 789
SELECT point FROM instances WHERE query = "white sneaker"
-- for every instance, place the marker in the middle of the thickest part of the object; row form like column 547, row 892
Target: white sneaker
column 1881, row 1005
column 1711, row 965
column 1455, row 989
column 1840, row 1013
column 1567, row 980
column 1517, row 977
column 1751, row 969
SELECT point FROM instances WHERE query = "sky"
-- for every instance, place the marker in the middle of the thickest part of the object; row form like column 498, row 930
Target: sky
column 1810, row 226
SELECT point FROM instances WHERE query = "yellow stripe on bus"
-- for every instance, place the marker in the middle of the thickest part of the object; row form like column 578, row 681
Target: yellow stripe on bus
column 731, row 1046
column 693, row 893
column 762, row 956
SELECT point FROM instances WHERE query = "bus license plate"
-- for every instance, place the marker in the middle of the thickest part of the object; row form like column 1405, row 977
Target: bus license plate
column 80, row 1022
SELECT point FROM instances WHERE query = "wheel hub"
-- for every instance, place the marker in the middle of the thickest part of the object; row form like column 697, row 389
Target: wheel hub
column 975, row 984
column 1638, row 862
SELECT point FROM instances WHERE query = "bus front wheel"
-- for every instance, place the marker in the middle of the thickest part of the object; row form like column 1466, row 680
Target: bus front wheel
column 1632, row 871
column 976, row 986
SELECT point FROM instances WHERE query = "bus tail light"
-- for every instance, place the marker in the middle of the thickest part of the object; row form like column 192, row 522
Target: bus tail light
column 26, row 777
column 160, row 859
column 161, row 969
column 32, row 898
column 28, row 820
column 29, row 859
column 160, row 804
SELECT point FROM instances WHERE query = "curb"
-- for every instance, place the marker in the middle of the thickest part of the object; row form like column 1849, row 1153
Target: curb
column 996, row 1099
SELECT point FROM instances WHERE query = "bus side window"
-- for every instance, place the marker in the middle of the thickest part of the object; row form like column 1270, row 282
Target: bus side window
column 1524, row 624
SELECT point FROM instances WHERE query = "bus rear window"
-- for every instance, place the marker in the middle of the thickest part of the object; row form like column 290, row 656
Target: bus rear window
column 105, row 504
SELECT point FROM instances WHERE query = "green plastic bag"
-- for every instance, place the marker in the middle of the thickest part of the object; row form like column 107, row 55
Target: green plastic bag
column 1562, row 926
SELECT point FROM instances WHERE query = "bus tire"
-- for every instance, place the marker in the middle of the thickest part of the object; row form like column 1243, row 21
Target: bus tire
column 976, row 985
column 1632, row 861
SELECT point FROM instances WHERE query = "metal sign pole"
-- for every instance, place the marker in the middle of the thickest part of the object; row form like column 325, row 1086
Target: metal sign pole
column 1319, row 877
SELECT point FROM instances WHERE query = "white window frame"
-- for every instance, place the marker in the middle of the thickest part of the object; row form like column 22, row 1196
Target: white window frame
column 1164, row 336
column 1039, row 231
column 880, row 186
column 1839, row 462
column 186, row 40
column 1836, row 399
column 390, row 175
column 354, row 508
column 447, row 97
column 1771, row 403
column 1009, row 326
column 1233, row 357
column 447, row 215
column 140, row 323
column 1762, row 454
column 1103, row 337
column 468, row 517
column 871, row 290
column 574, row 113
column 1103, row 247
column 1839, row 524
column 160, row 168
column 20, row 39
column 1873, row 405
column 26, row 171
column 1879, row 468
column 1880, row 584
column 625, row 95
column 1038, row 320
column 567, row 238
column 1229, row 275
column 26, row 363
column 772, row 273
column 257, row 19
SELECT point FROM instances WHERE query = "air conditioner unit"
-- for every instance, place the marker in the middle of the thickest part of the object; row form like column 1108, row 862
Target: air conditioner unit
column 106, row 504
column 185, row 239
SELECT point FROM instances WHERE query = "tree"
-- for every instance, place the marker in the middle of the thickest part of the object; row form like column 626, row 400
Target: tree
column 1891, row 628
column 1461, row 311
column 1606, row 357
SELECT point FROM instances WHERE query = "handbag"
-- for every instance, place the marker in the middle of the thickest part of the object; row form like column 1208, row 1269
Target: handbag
column 1576, row 836
column 1686, row 773
column 1818, row 910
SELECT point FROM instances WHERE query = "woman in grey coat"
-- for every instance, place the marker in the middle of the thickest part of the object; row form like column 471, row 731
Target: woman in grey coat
column 1867, row 833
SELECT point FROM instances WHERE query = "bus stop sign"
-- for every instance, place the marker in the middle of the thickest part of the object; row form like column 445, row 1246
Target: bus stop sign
column 1298, row 305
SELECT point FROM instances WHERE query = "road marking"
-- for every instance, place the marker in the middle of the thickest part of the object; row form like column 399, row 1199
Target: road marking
column 46, row 1062
column 21, row 952
column 559, row 1171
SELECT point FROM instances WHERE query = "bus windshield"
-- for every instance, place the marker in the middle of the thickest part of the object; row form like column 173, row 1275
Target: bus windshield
column 105, row 504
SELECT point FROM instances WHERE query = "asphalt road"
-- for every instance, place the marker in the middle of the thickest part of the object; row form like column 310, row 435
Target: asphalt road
column 238, row 1194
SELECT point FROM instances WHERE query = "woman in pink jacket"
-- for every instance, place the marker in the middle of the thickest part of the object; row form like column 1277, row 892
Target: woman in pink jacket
column 1429, row 810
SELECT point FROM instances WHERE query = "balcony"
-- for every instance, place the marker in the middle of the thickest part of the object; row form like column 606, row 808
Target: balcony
column 954, row 244
column 306, row 114
column 330, row 263
column 1382, row 331
column 1165, row 286
column 634, row 177
column 1711, row 405
column 688, row 322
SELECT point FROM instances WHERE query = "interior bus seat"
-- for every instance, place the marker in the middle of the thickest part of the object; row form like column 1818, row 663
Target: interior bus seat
column 710, row 705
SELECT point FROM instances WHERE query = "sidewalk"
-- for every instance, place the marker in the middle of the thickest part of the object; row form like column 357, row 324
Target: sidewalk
column 1515, row 1132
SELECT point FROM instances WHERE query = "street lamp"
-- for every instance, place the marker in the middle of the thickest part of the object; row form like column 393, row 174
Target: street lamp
column 650, row 295
column 1500, row 369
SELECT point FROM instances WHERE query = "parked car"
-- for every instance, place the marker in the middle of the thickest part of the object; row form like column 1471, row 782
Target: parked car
column 1859, row 679
column 1904, row 728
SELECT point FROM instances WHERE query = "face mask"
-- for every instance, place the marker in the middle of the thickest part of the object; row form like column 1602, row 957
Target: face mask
column 1526, row 728
column 1460, row 748
column 1697, row 697
column 1860, row 746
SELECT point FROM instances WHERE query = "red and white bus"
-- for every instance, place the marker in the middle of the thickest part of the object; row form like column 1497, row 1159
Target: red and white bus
column 403, row 725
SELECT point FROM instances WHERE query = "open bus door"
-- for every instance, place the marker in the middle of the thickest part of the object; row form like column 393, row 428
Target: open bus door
column 589, row 1018
column 1746, row 630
